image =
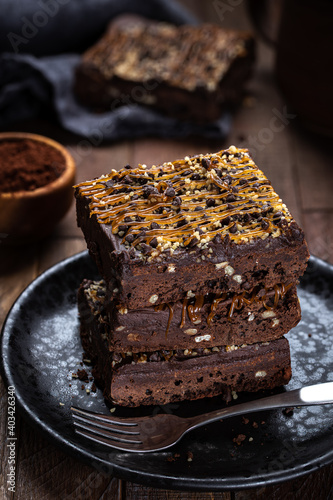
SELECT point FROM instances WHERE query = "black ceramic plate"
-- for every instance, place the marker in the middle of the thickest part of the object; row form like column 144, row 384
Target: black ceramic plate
column 41, row 349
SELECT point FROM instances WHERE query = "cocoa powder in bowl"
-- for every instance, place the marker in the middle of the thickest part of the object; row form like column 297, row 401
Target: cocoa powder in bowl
column 26, row 165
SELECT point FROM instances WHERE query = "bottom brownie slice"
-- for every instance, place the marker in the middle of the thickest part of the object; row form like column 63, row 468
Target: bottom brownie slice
column 249, row 368
column 160, row 377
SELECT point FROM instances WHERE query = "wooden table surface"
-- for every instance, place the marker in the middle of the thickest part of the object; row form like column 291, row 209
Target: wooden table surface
column 298, row 163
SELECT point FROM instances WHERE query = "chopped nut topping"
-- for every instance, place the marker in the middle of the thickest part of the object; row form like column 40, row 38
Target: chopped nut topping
column 230, row 348
column 229, row 270
column 268, row 314
column 221, row 265
column 191, row 331
column 200, row 338
column 134, row 337
column 153, row 299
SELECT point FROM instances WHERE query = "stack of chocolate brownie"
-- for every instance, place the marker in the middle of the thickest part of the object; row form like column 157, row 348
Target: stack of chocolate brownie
column 200, row 259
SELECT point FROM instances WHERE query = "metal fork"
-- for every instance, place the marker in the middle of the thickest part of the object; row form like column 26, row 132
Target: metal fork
column 157, row 432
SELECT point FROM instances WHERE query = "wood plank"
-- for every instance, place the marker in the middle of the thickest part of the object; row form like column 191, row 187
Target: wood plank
column 5, row 458
column 17, row 269
column 314, row 181
column 318, row 485
column 318, row 228
column 92, row 161
column 115, row 490
column 263, row 125
column 138, row 492
column 56, row 249
column 153, row 151
column 45, row 472
column 313, row 162
column 67, row 227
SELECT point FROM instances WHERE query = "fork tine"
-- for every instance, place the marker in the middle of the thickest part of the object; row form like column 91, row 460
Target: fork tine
column 91, row 424
column 108, row 433
column 103, row 418
column 104, row 429
column 111, row 443
column 139, row 434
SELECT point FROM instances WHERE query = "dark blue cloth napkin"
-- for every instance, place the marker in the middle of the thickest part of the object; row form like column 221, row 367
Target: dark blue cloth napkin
column 34, row 78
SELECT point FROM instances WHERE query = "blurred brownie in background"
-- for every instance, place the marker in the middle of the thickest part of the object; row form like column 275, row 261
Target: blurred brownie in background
column 193, row 73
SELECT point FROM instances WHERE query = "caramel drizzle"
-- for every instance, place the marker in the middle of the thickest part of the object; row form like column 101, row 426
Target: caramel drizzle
column 183, row 317
column 194, row 310
column 113, row 206
column 161, row 307
column 237, row 302
column 213, row 307
column 241, row 300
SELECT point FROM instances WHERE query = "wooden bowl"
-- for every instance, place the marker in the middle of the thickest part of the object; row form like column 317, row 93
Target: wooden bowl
column 27, row 216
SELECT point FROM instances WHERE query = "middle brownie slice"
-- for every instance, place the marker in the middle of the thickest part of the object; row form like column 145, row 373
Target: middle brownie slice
column 259, row 315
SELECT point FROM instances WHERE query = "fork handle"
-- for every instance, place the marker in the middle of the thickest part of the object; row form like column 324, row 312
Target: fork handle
column 306, row 396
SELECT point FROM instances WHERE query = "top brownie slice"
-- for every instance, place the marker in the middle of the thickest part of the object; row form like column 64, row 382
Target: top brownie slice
column 207, row 224
column 189, row 72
